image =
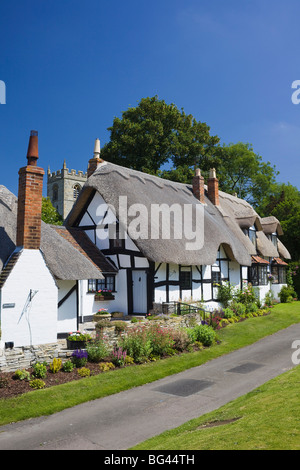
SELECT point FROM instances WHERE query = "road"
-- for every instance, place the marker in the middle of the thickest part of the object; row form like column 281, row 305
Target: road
column 121, row 421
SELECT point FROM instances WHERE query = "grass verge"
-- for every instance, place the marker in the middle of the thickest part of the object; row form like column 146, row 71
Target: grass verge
column 267, row 418
column 235, row 336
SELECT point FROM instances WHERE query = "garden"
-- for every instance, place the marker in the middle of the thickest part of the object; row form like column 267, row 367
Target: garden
column 143, row 342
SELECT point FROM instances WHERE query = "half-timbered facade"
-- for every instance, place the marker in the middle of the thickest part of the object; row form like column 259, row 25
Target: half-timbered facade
column 114, row 209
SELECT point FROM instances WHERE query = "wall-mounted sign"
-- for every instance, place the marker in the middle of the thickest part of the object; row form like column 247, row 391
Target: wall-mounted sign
column 8, row 305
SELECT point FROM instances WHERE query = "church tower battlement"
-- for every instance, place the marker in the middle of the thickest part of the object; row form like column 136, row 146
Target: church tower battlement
column 63, row 188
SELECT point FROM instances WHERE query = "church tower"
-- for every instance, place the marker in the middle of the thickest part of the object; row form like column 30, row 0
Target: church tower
column 63, row 188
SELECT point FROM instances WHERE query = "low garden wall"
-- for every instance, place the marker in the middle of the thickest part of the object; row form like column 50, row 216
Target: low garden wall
column 24, row 357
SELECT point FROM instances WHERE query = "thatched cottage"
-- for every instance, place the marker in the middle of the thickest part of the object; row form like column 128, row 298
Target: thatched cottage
column 147, row 240
column 115, row 210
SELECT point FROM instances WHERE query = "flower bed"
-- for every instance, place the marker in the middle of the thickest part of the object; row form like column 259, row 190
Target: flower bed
column 149, row 341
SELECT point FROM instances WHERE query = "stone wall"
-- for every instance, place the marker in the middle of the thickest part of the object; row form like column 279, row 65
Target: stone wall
column 112, row 335
column 25, row 357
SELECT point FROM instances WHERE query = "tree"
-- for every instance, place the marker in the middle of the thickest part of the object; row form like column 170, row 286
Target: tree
column 283, row 202
column 49, row 213
column 154, row 134
column 242, row 171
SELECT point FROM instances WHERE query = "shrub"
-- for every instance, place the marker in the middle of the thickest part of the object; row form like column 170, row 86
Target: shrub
column 269, row 298
column 55, row 365
column 104, row 323
column 119, row 356
column 79, row 357
column 3, row 382
column 205, row 334
column 68, row 366
column 238, row 308
column 129, row 360
column 84, row 372
column 181, row 340
column 252, row 308
column 287, row 294
column 246, row 295
column 105, row 366
column 225, row 293
column 37, row 384
column 119, row 325
column 215, row 319
column 137, row 344
column 161, row 340
column 40, row 370
column 228, row 313
column 98, row 350
column 21, row 375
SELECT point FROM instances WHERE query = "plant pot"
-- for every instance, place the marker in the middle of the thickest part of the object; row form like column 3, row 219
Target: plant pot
column 104, row 316
column 99, row 297
column 76, row 344
column 117, row 314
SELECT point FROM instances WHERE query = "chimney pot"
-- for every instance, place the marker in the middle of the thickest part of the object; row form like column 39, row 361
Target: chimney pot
column 33, row 150
column 96, row 160
column 198, row 186
column 213, row 187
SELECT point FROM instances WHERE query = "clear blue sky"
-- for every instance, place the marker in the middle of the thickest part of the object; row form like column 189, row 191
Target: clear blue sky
column 70, row 66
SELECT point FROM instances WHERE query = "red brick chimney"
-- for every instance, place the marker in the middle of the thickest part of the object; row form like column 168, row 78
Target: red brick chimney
column 213, row 187
column 96, row 160
column 30, row 198
column 198, row 186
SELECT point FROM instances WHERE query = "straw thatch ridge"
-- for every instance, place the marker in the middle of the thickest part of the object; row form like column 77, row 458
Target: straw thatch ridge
column 64, row 260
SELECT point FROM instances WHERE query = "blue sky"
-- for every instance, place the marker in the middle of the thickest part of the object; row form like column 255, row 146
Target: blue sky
column 71, row 66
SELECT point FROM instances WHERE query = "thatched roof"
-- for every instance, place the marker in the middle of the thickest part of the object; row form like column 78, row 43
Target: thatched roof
column 65, row 260
column 271, row 225
column 223, row 224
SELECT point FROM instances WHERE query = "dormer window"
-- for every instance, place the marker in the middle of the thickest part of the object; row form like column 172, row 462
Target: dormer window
column 251, row 233
column 273, row 239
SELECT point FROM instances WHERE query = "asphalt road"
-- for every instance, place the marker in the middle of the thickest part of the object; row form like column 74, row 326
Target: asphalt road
column 123, row 420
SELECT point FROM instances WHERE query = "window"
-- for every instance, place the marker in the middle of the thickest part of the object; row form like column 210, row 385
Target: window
column 258, row 275
column 251, row 233
column 216, row 277
column 216, row 281
column 76, row 191
column 273, row 239
column 109, row 282
column 55, row 193
column 185, row 277
column 279, row 274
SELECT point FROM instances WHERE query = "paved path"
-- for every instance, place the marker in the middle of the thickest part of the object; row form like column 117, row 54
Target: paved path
column 120, row 421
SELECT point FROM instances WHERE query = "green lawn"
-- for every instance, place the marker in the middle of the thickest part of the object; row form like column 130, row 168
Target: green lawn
column 267, row 418
column 48, row 401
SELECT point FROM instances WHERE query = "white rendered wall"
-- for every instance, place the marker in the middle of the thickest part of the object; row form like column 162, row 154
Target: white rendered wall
column 89, row 306
column 38, row 323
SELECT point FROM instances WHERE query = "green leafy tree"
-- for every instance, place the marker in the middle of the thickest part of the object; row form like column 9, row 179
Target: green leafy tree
column 49, row 213
column 242, row 171
column 154, row 134
column 283, row 202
